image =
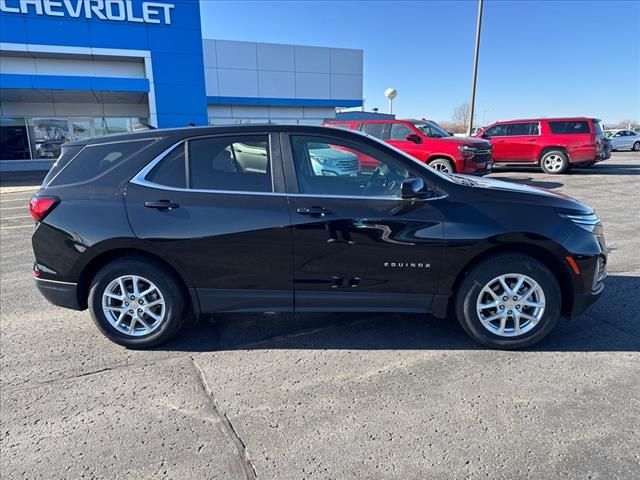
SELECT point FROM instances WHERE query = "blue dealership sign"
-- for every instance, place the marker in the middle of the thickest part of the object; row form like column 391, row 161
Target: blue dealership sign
column 167, row 34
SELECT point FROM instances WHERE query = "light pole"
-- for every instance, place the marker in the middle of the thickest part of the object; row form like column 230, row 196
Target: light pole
column 475, row 68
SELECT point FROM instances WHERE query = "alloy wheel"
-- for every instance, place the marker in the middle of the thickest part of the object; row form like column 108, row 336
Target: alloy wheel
column 510, row 305
column 553, row 162
column 441, row 167
column 133, row 305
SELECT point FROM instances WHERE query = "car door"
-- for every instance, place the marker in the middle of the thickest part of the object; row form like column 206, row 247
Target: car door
column 617, row 140
column 224, row 220
column 398, row 134
column 521, row 142
column 629, row 137
column 356, row 243
column 497, row 134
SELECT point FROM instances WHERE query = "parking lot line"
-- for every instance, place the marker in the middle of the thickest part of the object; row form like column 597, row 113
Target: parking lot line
column 13, row 218
column 13, row 208
column 16, row 226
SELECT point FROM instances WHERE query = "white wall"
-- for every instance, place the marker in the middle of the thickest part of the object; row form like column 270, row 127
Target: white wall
column 232, row 114
column 85, row 67
column 54, row 109
column 248, row 69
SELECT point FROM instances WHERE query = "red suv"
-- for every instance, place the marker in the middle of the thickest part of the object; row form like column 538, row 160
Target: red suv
column 429, row 143
column 555, row 144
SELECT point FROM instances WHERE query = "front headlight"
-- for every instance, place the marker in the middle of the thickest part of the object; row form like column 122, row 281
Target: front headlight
column 589, row 222
column 328, row 162
column 466, row 148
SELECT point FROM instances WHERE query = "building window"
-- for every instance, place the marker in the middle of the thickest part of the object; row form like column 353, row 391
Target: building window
column 14, row 139
column 47, row 136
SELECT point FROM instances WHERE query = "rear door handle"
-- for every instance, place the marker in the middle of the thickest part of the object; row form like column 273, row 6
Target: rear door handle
column 314, row 211
column 532, row 140
column 162, row 205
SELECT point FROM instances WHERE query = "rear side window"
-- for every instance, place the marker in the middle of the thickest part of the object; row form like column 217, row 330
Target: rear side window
column 569, row 127
column 94, row 160
column 239, row 163
column 374, row 129
column 66, row 154
column 229, row 163
column 171, row 171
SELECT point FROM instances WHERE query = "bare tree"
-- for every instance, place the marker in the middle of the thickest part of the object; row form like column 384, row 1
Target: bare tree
column 461, row 114
column 460, row 118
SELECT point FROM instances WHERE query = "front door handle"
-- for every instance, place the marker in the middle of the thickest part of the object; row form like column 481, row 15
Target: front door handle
column 314, row 211
column 162, row 205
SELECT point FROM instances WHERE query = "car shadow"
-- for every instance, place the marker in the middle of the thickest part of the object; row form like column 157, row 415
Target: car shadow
column 603, row 168
column 612, row 324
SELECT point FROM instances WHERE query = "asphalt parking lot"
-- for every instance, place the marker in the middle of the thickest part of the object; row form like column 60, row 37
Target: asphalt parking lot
column 327, row 396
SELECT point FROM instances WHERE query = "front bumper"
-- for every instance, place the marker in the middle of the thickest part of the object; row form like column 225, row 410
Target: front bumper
column 62, row 294
column 583, row 301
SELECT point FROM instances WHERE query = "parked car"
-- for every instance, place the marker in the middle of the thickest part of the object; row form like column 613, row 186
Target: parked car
column 427, row 142
column 623, row 139
column 555, row 144
column 143, row 228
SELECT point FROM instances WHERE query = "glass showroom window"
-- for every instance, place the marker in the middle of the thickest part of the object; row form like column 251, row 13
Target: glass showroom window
column 14, row 139
column 47, row 136
column 109, row 125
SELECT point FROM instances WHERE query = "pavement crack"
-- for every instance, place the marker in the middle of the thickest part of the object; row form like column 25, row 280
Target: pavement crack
column 245, row 461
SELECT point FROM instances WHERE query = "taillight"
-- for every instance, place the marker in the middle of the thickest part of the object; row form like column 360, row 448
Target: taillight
column 40, row 207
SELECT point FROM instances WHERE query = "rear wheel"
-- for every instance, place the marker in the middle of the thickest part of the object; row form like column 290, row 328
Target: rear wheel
column 554, row 162
column 442, row 165
column 137, row 303
column 508, row 301
column 636, row 147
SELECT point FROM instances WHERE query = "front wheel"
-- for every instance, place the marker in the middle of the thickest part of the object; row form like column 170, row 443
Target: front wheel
column 137, row 303
column 442, row 165
column 508, row 302
column 554, row 162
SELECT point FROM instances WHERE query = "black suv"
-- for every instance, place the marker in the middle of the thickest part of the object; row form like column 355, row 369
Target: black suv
column 147, row 227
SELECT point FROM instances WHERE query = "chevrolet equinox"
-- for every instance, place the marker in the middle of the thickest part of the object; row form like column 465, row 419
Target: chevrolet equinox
column 147, row 228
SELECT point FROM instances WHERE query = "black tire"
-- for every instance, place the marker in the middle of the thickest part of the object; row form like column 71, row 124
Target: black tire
column 443, row 165
column 169, row 286
column 471, row 287
column 554, row 162
column 636, row 147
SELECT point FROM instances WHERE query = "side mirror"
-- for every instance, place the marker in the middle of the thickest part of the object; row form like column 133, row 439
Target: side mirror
column 414, row 137
column 484, row 135
column 412, row 188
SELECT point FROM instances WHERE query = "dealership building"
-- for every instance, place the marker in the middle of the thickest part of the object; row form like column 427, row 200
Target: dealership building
column 71, row 69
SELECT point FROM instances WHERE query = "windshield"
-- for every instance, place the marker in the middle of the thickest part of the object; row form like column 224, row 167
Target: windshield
column 432, row 130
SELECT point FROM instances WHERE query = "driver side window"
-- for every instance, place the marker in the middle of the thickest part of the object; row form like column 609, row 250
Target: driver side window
column 497, row 131
column 327, row 166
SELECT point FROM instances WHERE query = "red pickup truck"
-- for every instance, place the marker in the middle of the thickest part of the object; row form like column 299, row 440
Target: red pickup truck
column 429, row 143
column 556, row 144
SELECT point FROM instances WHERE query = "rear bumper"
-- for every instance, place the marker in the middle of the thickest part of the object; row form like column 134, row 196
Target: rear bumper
column 62, row 294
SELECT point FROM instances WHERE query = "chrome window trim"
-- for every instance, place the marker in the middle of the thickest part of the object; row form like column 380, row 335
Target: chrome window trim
column 140, row 177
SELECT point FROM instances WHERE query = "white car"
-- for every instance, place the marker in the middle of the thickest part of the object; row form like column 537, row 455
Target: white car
column 624, row 139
